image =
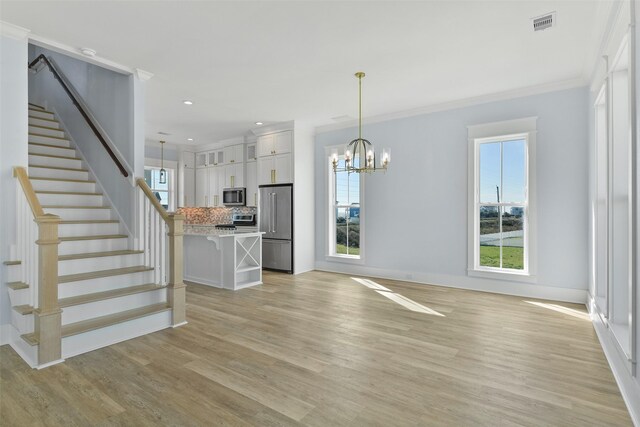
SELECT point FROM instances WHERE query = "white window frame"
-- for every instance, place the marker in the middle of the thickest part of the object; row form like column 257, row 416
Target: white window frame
column 331, row 254
column 524, row 128
column 171, row 167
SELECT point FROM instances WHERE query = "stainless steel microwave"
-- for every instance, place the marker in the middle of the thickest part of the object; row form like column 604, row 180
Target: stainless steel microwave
column 233, row 196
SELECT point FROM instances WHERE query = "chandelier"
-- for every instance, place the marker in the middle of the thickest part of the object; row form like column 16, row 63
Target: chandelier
column 359, row 155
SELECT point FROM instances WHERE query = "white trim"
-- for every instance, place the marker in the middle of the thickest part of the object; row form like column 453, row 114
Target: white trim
column 628, row 385
column 13, row 31
column 612, row 22
column 501, row 131
column 276, row 127
column 506, row 287
column 5, row 332
column 177, row 325
column 462, row 103
column 75, row 53
column 46, row 365
column 142, row 74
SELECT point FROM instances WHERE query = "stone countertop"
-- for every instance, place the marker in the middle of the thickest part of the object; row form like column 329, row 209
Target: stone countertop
column 210, row 230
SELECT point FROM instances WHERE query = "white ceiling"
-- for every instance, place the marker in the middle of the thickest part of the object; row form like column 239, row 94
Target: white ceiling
column 272, row 61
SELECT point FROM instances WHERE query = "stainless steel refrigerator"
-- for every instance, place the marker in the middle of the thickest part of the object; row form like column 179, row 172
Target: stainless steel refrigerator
column 276, row 220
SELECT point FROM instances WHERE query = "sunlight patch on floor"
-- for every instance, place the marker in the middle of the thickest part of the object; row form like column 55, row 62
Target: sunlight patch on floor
column 560, row 309
column 397, row 298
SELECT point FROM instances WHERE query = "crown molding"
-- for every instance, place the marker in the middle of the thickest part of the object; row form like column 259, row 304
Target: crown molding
column 75, row 52
column 614, row 16
column 276, row 127
column 462, row 103
column 142, row 74
column 13, row 31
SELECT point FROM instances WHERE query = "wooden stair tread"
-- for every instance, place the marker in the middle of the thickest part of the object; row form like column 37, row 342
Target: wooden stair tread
column 90, row 221
column 78, row 193
column 39, row 109
column 23, row 309
column 13, row 262
column 16, row 286
column 40, row 144
column 42, row 118
column 58, row 168
column 102, row 322
column 114, row 293
column 46, row 127
column 94, row 237
column 62, row 179
column 47, row 136
column 36, row 105
column 102, row 273
column 98, row 254
column 54, row 156
column 74, row 207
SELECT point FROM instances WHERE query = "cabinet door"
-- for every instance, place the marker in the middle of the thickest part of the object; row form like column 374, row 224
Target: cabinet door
column 252, row 154
column 202, row 187
column 188, row 187
column 282, row 165
column 265, row 170
column 221, row 157
column 189, row 159
column 228, row 153
column 282, row 142
column 265, row 145
column 238, row 153
column 211, row 158
column 201, row 160
column 212, row 198
column 221, row 172
column 252, row 184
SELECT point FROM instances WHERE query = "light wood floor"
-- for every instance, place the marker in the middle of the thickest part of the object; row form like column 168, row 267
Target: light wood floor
column 321, row 349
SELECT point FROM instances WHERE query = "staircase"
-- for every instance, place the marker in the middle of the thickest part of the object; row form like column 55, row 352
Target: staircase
column 110, row 286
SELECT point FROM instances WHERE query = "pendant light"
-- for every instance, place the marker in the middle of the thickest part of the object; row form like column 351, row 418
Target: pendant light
column 359, row 155
column 163, row 173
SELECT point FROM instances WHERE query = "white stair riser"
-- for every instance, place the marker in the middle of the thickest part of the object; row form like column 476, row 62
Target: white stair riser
column 57, row 173
column 49, row 140
column 75, row 214
column 70, row 199
column 86, row 265
column 74, row 230
column 40, row 122
column 20, row 297
column 43, row 184
column 98, row 245
column 56, row 151
column 41, row 114
column 87, row 311
column 46, row 130
column 54, row 161
column 81, row 287
column 28, row 352
column 92, row 340
column 13, row 273
column 22, row 322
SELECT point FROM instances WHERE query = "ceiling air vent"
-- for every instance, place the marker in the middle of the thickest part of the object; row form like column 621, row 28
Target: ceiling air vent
column 164, row 133
column 543, row 22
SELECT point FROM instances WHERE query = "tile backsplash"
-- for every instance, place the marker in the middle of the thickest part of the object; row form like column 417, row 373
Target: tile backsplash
column 213, row 215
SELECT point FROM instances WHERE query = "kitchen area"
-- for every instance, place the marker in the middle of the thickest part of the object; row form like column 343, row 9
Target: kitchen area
column 237, row 197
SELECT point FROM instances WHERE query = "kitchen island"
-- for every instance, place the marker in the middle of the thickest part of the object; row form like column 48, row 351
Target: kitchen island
column 229, row 259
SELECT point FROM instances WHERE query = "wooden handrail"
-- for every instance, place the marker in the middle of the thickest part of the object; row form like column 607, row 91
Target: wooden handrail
column 63, row 82
column 152, row 198
column 20, row 173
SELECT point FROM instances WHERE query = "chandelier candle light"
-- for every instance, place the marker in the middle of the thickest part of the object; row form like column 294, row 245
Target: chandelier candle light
column 359, row 155
column 163, row 172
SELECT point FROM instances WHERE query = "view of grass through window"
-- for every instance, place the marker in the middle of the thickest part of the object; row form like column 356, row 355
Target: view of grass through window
column 347, row 212
column 502, row 204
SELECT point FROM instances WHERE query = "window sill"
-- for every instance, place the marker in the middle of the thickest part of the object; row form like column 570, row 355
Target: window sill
column 503, row 275
column 345, row 259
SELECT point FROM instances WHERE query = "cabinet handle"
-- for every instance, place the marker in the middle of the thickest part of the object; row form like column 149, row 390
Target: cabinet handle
column 273, row 176
column 233, row 179
column 205, row 200
column 255, row 199
column 215, row 200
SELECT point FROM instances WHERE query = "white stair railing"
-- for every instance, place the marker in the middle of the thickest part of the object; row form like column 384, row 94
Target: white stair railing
column 160, row 237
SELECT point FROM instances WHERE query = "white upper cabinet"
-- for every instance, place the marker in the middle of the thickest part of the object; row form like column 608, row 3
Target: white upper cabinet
column 252, row 183
column 202, row 187
column 234, row 154
column 234, row 175
column 252, row 153
column 202, row 160
column 275, row 169
column 275, row 143
column 188, row 160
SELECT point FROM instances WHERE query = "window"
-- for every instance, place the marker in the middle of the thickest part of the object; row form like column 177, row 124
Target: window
column 345, row 213
column 500, row 198
column 163, row 192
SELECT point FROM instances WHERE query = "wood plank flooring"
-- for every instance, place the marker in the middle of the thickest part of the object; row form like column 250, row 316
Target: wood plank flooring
column 321, row 349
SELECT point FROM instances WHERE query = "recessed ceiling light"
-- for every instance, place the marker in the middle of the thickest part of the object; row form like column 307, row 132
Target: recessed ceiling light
column 259, row 123
column 187, row 102
column 189, row 139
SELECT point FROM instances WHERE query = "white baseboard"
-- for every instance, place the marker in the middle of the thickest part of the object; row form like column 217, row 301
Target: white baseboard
column 628, row 385
column 201, row 281
column 507, row 287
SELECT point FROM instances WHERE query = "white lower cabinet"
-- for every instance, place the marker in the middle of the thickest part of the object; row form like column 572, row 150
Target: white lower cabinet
column 234, row 175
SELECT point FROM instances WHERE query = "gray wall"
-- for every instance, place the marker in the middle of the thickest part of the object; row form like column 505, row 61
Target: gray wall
column 416, row 214
column 13, row 150
column 109, row 96
column 152, row 152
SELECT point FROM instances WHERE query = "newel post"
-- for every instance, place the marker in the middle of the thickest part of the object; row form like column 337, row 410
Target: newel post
column 177, row 288
column 48, row 315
